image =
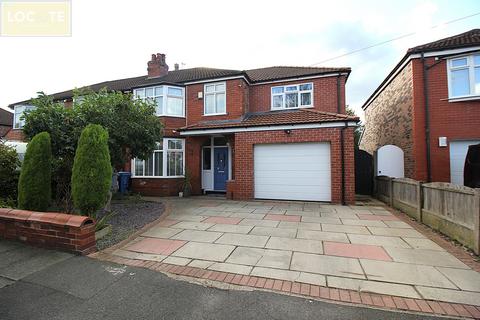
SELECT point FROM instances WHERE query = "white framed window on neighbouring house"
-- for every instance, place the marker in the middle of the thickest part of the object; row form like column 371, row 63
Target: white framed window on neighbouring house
column 215, row 98
column 464, row 76
column 169, row 101
column 292, row 96
column 19, row 111
column 167, row 161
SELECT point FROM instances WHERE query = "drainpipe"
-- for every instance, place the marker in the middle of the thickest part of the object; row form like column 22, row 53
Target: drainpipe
column 342, row 151
column 427, row 116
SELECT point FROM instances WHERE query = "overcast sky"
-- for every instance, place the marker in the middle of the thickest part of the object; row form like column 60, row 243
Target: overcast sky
column 113, row 39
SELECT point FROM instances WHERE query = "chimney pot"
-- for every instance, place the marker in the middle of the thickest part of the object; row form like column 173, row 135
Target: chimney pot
column 157, row 67
column 177, row 66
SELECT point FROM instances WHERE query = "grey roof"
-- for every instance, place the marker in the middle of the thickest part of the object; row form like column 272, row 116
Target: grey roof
column 466, row 39
column 6, row 118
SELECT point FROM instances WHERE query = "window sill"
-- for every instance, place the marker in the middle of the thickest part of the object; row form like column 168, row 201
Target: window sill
column 215, row 114
column 155, row 177
column 169, row 116
column 283, row 109
column 465, row 98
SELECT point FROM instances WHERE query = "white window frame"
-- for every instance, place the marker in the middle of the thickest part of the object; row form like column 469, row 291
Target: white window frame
column 164, row 94
column 214, row 93
column 18, row 115
column 471, row 75
column 164, row 152
column 299, row 93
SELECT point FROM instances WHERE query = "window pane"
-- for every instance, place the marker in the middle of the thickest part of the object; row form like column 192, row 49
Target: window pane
column 476, row 60
column 209, row 104
column 175, row 91
column 140, row 93
column 459, row 62
column 277, row 90
column 175, row 144
column 149, row 92
column 220, row 99
column 159, row 103
column 291, row 88
column 149, row 166
column 460, row 83
column 477, row 80
column 158, row 91
column 291, row 100
column 210, row 88
column 174, row 106
column 207, row 159
column 175, row 163
column 158, row 163
column 179, row 164
column 277, row 102
column 160, row 145
column 138, row 167
column 220, row 87
column 307, row 86
column 306, row 99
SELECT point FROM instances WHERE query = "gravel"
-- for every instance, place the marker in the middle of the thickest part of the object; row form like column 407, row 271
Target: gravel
column 130, row 215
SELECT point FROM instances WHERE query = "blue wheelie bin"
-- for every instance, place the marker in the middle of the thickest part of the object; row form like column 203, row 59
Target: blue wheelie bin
column 124, row 182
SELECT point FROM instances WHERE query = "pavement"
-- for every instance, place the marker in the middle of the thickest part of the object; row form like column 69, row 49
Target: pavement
column 364, row 247
column 44, row 284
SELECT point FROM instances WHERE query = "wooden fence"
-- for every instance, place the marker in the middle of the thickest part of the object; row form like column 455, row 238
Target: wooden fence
column 453, row 210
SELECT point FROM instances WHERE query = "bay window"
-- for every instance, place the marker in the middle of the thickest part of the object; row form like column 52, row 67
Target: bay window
column 169, row 101
column 215, row 99
column 19, row 111
column 464, row 76
column 166, row 161
column 292, row 96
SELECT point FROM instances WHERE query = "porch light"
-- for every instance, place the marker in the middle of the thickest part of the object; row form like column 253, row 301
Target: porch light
column 288, row 131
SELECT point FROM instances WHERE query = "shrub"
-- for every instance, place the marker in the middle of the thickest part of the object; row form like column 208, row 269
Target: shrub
column 34, row 184
column 92, row 171
column 9, row 165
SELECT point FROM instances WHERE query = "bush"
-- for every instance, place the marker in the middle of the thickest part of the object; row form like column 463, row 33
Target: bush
column 92, row 171
column 9, row 165
column 34, row 185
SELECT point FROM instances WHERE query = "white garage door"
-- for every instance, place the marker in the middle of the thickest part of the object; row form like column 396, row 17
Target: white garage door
column 458, row 153
column 294, row 171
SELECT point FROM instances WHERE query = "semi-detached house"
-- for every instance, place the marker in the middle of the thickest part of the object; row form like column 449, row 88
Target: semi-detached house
column 269, row 133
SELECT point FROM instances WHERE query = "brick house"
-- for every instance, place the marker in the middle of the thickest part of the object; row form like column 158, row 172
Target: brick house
column 427, row 111
column 6, row 119
column 269, row 133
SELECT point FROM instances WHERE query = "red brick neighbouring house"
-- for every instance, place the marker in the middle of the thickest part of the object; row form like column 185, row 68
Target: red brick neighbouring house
column 429, row 107
column 6, row 119
column 269, row 133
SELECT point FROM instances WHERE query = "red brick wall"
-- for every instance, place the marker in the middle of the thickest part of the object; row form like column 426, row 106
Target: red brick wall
column 158, row 187
column 243, row 185
column 236, row 101
column 15, row 134
column 324, row 94
column 454, row 120
column 171, row 124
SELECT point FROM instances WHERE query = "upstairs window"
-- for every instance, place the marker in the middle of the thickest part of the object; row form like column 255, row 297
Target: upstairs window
column 215, row 99
column 464, row 76
column 169, row 101
column 166, row 161
column 18, row 119
column 292, row 96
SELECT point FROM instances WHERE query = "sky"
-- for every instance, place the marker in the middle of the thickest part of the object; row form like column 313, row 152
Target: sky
column 113, row 39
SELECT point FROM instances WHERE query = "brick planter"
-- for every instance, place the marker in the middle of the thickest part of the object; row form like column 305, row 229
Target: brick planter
column 49, row 230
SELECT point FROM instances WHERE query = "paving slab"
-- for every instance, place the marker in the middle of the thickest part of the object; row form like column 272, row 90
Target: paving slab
column 198, row 236
column 232, row 268
column 312, row 278
column 355, row 251
column 454, row 296
column 398, row 232
column 276, row 232
column 322, row 235
column 464, row 279
column 150, row 257
column 425, row 257
column 281, row 217
column 231, row 228
column 345, row 229
column 398, row 224
column 383, row 241
column 393, row 289
column 322, row 220
column 246, row 240
column 204, row 251
column 371, row 216
column 192, row 225
column 177, row 261
column 126, row 254
column 223, row 220
column 275, row 273
column 245, row 215
column 326, row 265
column 256, row 222
column 161, row 232
column 187, row 217
column 303, row 213
column 156, row 246
column 364, row 223
column 422, row 243
column 301, row 245
column 345, row 215
column 261, row 257
column 300, row 225
column 202, row 264
column 405, row 273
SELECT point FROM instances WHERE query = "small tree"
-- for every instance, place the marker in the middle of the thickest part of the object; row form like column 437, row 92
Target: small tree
column 92, row 171
column 9, row 165
column 34, row 185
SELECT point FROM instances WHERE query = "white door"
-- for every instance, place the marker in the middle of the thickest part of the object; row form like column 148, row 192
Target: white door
column 294, row 171
column 458, row 153
column 390, row 161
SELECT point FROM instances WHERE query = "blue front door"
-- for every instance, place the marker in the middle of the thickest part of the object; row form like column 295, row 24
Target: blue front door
column 220, row 172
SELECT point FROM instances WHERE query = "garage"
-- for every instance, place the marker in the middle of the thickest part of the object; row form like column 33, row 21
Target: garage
column 458, row 152
column 293, row 171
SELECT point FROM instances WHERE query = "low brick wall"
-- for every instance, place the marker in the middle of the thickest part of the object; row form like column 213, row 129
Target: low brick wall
column 49, row 230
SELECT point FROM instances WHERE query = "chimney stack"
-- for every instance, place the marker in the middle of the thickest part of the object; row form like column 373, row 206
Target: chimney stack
column 157, row 67
column 177, row 66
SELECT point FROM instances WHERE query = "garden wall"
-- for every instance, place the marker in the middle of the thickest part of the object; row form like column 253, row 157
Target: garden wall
column 49, row 230
column 451, row 209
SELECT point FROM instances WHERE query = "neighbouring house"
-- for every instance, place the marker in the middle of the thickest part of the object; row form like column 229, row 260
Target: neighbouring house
column 269, row 133
column 6, row 120
column 423, row 117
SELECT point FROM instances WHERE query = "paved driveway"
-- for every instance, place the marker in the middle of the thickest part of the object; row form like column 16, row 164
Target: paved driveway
column 363, row 248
